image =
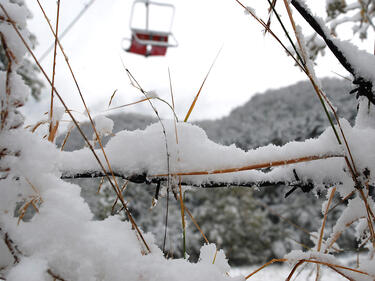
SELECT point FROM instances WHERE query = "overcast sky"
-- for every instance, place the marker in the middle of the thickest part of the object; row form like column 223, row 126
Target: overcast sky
column 249, row 63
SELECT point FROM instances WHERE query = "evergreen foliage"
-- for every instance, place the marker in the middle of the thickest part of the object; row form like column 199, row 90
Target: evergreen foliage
column 28, row 70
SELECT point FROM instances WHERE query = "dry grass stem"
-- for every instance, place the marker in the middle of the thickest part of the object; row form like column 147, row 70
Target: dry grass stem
column 336, row 266
column 341, row 130
column 261, row 22
column 265, row 265
column 341, row 273
column 125, row 185
column 201, row 87
column 113, row 95
column 128, row 104
column 294, row 270
column 322, row 96
column 36, row 126
column 53, row 127
column 343, row 200
column 299, row 243
column 100, row 185
column 369, row 221
column 66, row 137
column 182, row 216
column 196, row 224
column 173, row 107
column 34, row 200
column 252, row 167
column 337, row 235
column 332, row 193
column 270, row 10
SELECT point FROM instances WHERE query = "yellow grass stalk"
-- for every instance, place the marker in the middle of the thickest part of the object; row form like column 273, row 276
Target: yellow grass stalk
column 113, row 95
column 53, row 127
column 182, row 217
column 330, row 265
column 100, row 185
column 66, row 137
column 265, row 265
column 252, row 167
column 196, row 224
column 53, row 131
column 200, row 89
column 332, row 193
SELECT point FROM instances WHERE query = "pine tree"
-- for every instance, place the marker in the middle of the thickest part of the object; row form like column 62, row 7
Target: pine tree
column 28, row 70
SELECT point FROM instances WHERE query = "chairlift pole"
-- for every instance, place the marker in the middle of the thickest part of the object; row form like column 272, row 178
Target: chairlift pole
column 147, row 13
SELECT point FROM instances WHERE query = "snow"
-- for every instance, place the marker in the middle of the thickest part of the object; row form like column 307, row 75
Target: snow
column 63, row 234
column 58, row 113
column 31, row 269
column 362, row 61
column 211, row 256
column 143, row 151
column 62, row 239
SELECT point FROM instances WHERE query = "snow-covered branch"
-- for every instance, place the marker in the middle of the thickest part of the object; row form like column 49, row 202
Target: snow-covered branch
column 346, row 53
column 188, row 179
column 202, row 163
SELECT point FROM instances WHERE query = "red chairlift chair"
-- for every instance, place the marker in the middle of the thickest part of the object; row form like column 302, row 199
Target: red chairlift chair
column 148, row 42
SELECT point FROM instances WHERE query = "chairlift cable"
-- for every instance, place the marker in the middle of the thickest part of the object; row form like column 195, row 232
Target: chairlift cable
column 67, row 29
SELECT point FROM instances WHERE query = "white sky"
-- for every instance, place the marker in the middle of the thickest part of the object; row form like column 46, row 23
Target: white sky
column 249, row 63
